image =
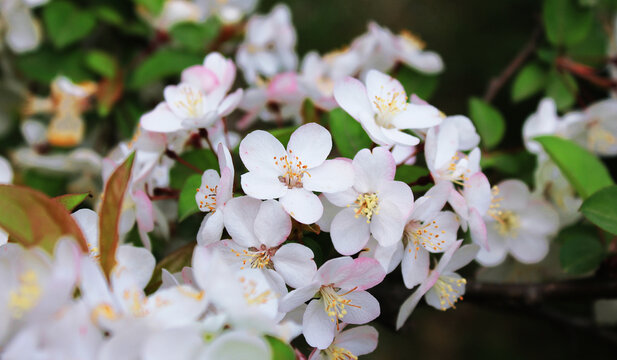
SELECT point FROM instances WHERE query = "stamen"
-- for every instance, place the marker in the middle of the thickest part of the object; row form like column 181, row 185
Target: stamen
column 366, row 205
column 334, row 303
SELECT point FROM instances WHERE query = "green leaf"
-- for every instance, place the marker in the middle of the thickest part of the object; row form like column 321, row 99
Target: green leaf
column 44, row 65
column 562, row 88
column 489, row 122
column 528, row 82
column 415, row 82
column 283, row 134
column 101, row 63
column 31, row 218
column 196, row 36
column 581, row 251
column 109, row 213
column 153, row 6
column 565, row 21
column 601, row 209
column 349, row 136
column 280, row 350
column 585, row 172
column 593, row 49
column 186, row 202
column 163, row 63
column 66, row 24
column 109, row 15
column 50, row 184
column 203, row 159
column 410, row 173
column 512, row 164
column 70, row 201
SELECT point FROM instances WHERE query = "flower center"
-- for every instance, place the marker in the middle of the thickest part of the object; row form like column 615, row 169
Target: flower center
column 208, row 202
column 366, row 205
column 337, row 353
column 26, row 296
column 412, row 40
column 334, row 303
column 388, row 107
column 457, row 170
column 599, row 138
column 426, row 235
column 191, row 102
column 256, row 259
column 508, row 223
column 447, row 288
column 293, row 170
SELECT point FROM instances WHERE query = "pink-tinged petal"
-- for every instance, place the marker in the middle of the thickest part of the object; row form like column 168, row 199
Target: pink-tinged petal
column 330, row 177
column 329, row 212
column 294, row 262
column 198, row 75
column 429, row 205
column 311, row 144
column 225, row 190
column 259, row 152
column 434, row 298
column 302, row 205
column 224, row 157
column 145, row 217
column 360, row 340
column 211, row 228
column 417, row 117
column 224, row 69
column 411, row 302
column 366, row 307
column 384, row 88
column 351, row 95
column 396, row 136
column 496, row 252
column 415, row 265
column 447, row 256
column 364, row 273
column 342, row 198
column 316, row 325
column 477, row 192
column 262, row 186
column 539, row 218
column 514, row 195
column 272, row 224
column 388, row 256
column 463, row 256
column 373, row 168
column 477, row 228
column 161, row 120
column 230, row 103
column 397, row 193
column 388, row 224
column 458, row 203
column 334, row 270
column 239, row 219
column 528, row 247
column 349, row 233
column 298, row 297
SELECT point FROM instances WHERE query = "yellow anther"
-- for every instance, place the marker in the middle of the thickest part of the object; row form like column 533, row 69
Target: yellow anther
column 367, row 205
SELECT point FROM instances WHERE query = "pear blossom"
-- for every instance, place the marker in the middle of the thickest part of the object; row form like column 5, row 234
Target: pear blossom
column 258, row 230
column 382, row 109
column 442, row 287
column 213, row 195
column 517, row 224
column 199, row 100
column 428, row 230
column 376, row 204
column 293, row 174
column 349, row 344
column 268, row 47
column 23, row 31
column 337, row 294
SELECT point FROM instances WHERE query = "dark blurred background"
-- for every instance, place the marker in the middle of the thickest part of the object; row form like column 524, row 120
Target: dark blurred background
column 477, row 39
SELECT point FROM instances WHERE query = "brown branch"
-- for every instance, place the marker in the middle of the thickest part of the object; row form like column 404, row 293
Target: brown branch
column 584, row 72
column 498, row 82
column 173, row 155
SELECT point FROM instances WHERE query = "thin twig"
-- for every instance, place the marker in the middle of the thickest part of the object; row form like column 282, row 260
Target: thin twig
column 203, row 132
column 498, row 82
column 173, row 155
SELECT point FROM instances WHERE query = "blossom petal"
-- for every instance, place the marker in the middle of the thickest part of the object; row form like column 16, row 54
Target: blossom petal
column 496, row 252
column 161, row 120
column 364, row 273
column 373, row 168
column 311, row 143
column 417, row 116
column 349, row 233
column 415, row 265
column 360, row 340
column 367, row 308
column 211, row 228
column 259, row 151
column 262, row 186
column 351, row 95
column 302, row 205
column 397, row 193
column 387, row 225
column 294, row 262
column 330, row 177
column 316, row 325
column 298, row 297
column 240, row 214
column 528, row 247
column 272, row 224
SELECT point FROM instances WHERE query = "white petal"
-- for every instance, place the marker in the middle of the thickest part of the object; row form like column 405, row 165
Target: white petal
column 351, row 95
column 298, row 297
column 311, row 143
column 316, row 325
column 463, row 256
column 211, row 228
column 272, row 224
column 161, row 119
column 415, row 265
column 349, row 233
column 496, row 252
column 399, row 194
column 294, row 262
column 396, row 136
column 387, row 225
column 367, row 310
column 240, row 214
column 360, row 340
column 373, row 168
column 528, row 248
column 417, row 116
column 259, row 151
column 262, row 186
column 302, row 205
column 330, row 177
